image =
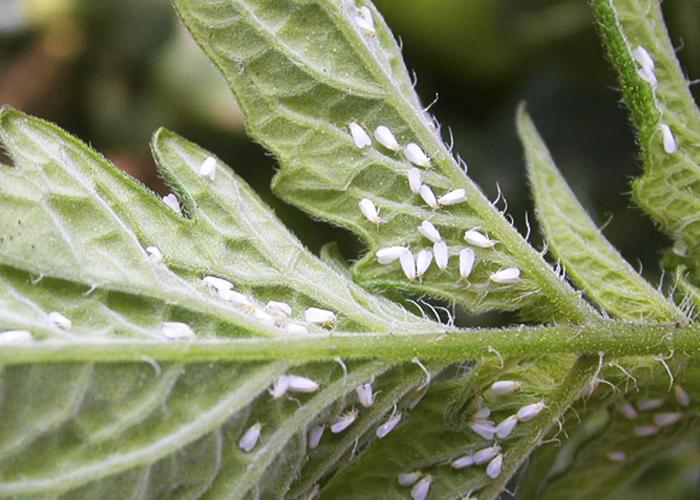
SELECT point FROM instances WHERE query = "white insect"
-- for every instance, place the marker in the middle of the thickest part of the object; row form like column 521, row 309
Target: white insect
column 173, row 330
column 486, row 454
column 386, row 138
column 262, row 315
column 482, row 413
column 528, row 412
column 319, row 316
column 617, row 456
column 428, row 196
column 208, row 168
column 365, row 394
column 315, row 435
column 645, row 430
column 219, row 285
column 154, row 255
column 668, row 418
column 279, row 387
column 462, row 462
column 364, row 20
column 60, row 321
column 409, row 478
column 503, row 387
column 429, row 230
column 369, row 211
column 648, row 75
column 408, row 265
column 508, row 275
column 415, row 179
column 681, row 396
column 238, row 300
column 15, row 337
column 505, row 428
column 344, row 421
column 416, row 155
column 643, row 58
column 277, row 308
column 453, row 197
column 423, row 260
column 421, row 489
column 483, row 428
column 297, row 383
column 626, row 409
column 495, row 466
column 295, row 328
column 475, row 238
column 172, row 202
column 466, row 262
column 390, row 254
column 359, row 136
column 669, row 141
column 441, row 253
column 250, row 437
column 388, row 426
column 649, row 404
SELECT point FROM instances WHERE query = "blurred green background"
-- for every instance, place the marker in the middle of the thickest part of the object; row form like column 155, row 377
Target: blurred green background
column 112, row 71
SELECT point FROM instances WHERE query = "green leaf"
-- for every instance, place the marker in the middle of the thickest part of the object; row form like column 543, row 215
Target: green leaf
column 299, row 96
column 573, row 238
column 669, row 190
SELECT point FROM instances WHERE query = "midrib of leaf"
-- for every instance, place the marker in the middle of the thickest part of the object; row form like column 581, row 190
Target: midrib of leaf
column 574, row 239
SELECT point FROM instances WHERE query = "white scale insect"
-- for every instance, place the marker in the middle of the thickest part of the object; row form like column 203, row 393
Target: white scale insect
column 421, row 489
column 208, row 168
column 466, row 262
column 416, row 155
column 441, row 253
column 386, row 138
column 646, row 63
column 364, row 20
column 668, row 418
column 645, row 430
column 415, row 179
column 453, row 197
column 409, row 478
column 423, row 260
column 277, row 308
column 475, row 238
column 528, row 412
column 390, row 254
column 668, row 139
column 359, row 136
column 681, row 396
column 481, row 425
column 505, row 428
column 238, row 299
column 369, row 210
column 508, row 275
column 172, row 202
column 174, row 330
column 60, row 321
column 462, row 462
column 319, row 316
column 15, row 337
column 428, row 196
column 344, row 421
column 218, row 285
column 388, row 426
column 305, row 385
column 650, row 404
column 250, row 437
column 365, row 394
column 495, row 466
column 503, row 387
column 408, row 265
column 617, row 456
column 429, row 230
column 626, row 409
column 315, row 435
column 295, row 328
column 154, row 255
column 279, row 387
column 486, row 454
column 262, row 315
